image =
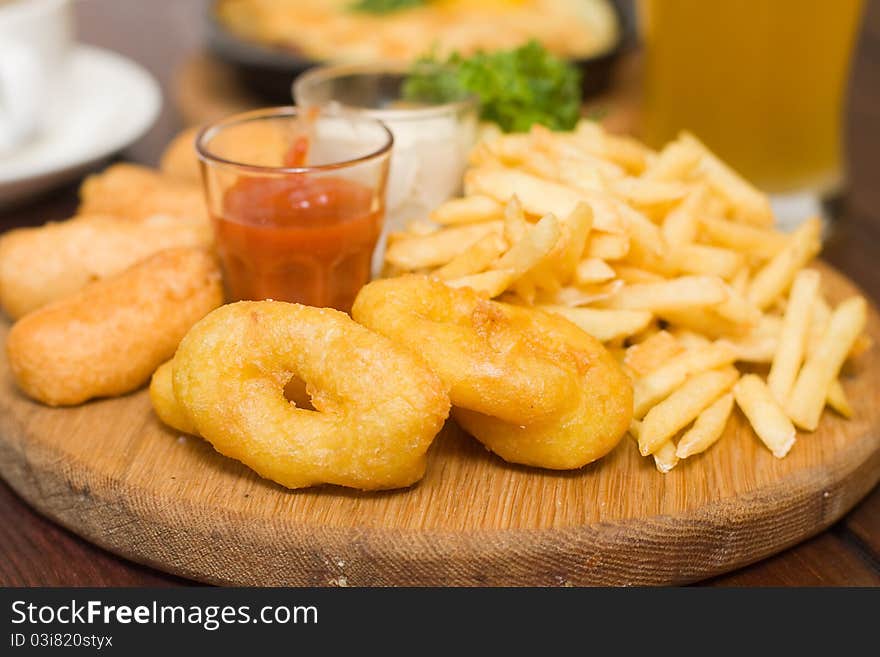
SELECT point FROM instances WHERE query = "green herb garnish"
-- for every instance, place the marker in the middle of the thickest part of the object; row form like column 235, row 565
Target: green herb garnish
column 516, row 88
column 385, row 6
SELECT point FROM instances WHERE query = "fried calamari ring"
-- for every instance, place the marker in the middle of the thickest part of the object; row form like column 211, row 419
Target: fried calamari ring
column 165, row 403
column 489, row 365
column 377, row 407
column 175, row 415
column 479, row 347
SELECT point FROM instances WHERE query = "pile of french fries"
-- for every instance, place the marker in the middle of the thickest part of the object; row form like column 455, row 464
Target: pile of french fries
column 669, row 258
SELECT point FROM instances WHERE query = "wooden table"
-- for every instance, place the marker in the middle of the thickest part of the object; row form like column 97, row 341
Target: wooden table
column 158, row 34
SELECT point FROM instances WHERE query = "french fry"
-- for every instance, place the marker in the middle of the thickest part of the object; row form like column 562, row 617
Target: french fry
column 819, row 322
column 569, row 152
column 474, row 259
column 777, row 275
column 749, row 204
column 838, row 400
column 582, row 176
column 635, row 428
column 606, row 246
column 592, row 270
column 861, row 345
column 584, row 295
column 759, row 344
column 491, row 283
column 706, row 260
column 629, row 274
column 792, row 340
column 438, row 248
column 511, row 148
column 649, row 193
column 707, row 428
column 738, row 310
column 705, row 321
column 821, row 368
column 765, row 414
column 626, row 152
column 515, row 224
column 759, row 242
column 753, row 347
column 681, row 224
column 563, row 261
column 675, row 162
column 652, row 352
column 418, row 228
column 690, row 339
column 665, row 457
column 663, row 381
column 674, row 294
column 467, row 210
column 641, row 230
column 538, row 196
column 604, row 325
column 541, row 165
column 538, row 241
column 683, row 406
column 740, row 281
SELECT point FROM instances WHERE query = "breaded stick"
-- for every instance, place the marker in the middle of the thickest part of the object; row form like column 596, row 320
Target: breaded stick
column 179, row 158
column 108, row 338
column 40, row 265
column 135, row 192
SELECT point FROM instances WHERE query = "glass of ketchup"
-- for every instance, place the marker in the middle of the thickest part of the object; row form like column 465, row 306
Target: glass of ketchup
column 297, row 201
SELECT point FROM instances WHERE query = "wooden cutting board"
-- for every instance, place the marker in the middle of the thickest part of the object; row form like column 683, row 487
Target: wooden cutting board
column 112, row 473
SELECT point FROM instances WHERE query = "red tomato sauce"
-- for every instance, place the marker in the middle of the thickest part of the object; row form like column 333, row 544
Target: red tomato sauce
column 303, row 237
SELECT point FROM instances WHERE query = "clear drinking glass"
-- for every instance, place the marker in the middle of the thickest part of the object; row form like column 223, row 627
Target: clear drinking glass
column 761, row 83
column 431, row 142
column 297, row 202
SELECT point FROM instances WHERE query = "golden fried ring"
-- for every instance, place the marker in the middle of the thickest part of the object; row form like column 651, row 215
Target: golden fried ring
column 109, row 337
column 583, row 428
column 377, row 406
column 489, row 365
column 165, row 403
column 175, row 415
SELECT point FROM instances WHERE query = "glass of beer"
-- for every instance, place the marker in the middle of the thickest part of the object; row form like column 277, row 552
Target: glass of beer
column 761, row 83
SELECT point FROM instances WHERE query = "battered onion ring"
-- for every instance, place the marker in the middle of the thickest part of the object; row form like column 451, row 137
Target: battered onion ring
column 489, row 365
column 532, row 387
column 165, row 403
column 377, row 406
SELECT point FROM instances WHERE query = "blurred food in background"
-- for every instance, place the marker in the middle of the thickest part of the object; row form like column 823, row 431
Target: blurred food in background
column 269, row 42
column 402, row 30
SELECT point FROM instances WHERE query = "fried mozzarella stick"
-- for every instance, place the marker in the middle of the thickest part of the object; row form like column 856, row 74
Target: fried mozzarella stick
column 40, row 265
column 108, row 338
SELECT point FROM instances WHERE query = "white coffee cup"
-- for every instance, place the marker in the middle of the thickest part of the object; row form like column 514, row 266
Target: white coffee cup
column 35, row 40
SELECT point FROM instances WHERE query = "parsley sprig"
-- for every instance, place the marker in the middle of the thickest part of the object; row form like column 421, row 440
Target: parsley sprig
column 517, row 88
column 385, row 6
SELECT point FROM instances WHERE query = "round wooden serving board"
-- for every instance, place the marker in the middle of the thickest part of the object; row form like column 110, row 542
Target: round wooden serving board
column 112, row 473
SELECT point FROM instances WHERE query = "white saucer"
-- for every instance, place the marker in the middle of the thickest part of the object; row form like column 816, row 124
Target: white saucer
column 111, row 102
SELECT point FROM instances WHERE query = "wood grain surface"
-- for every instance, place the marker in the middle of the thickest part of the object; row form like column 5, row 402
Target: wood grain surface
column 112, row 473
